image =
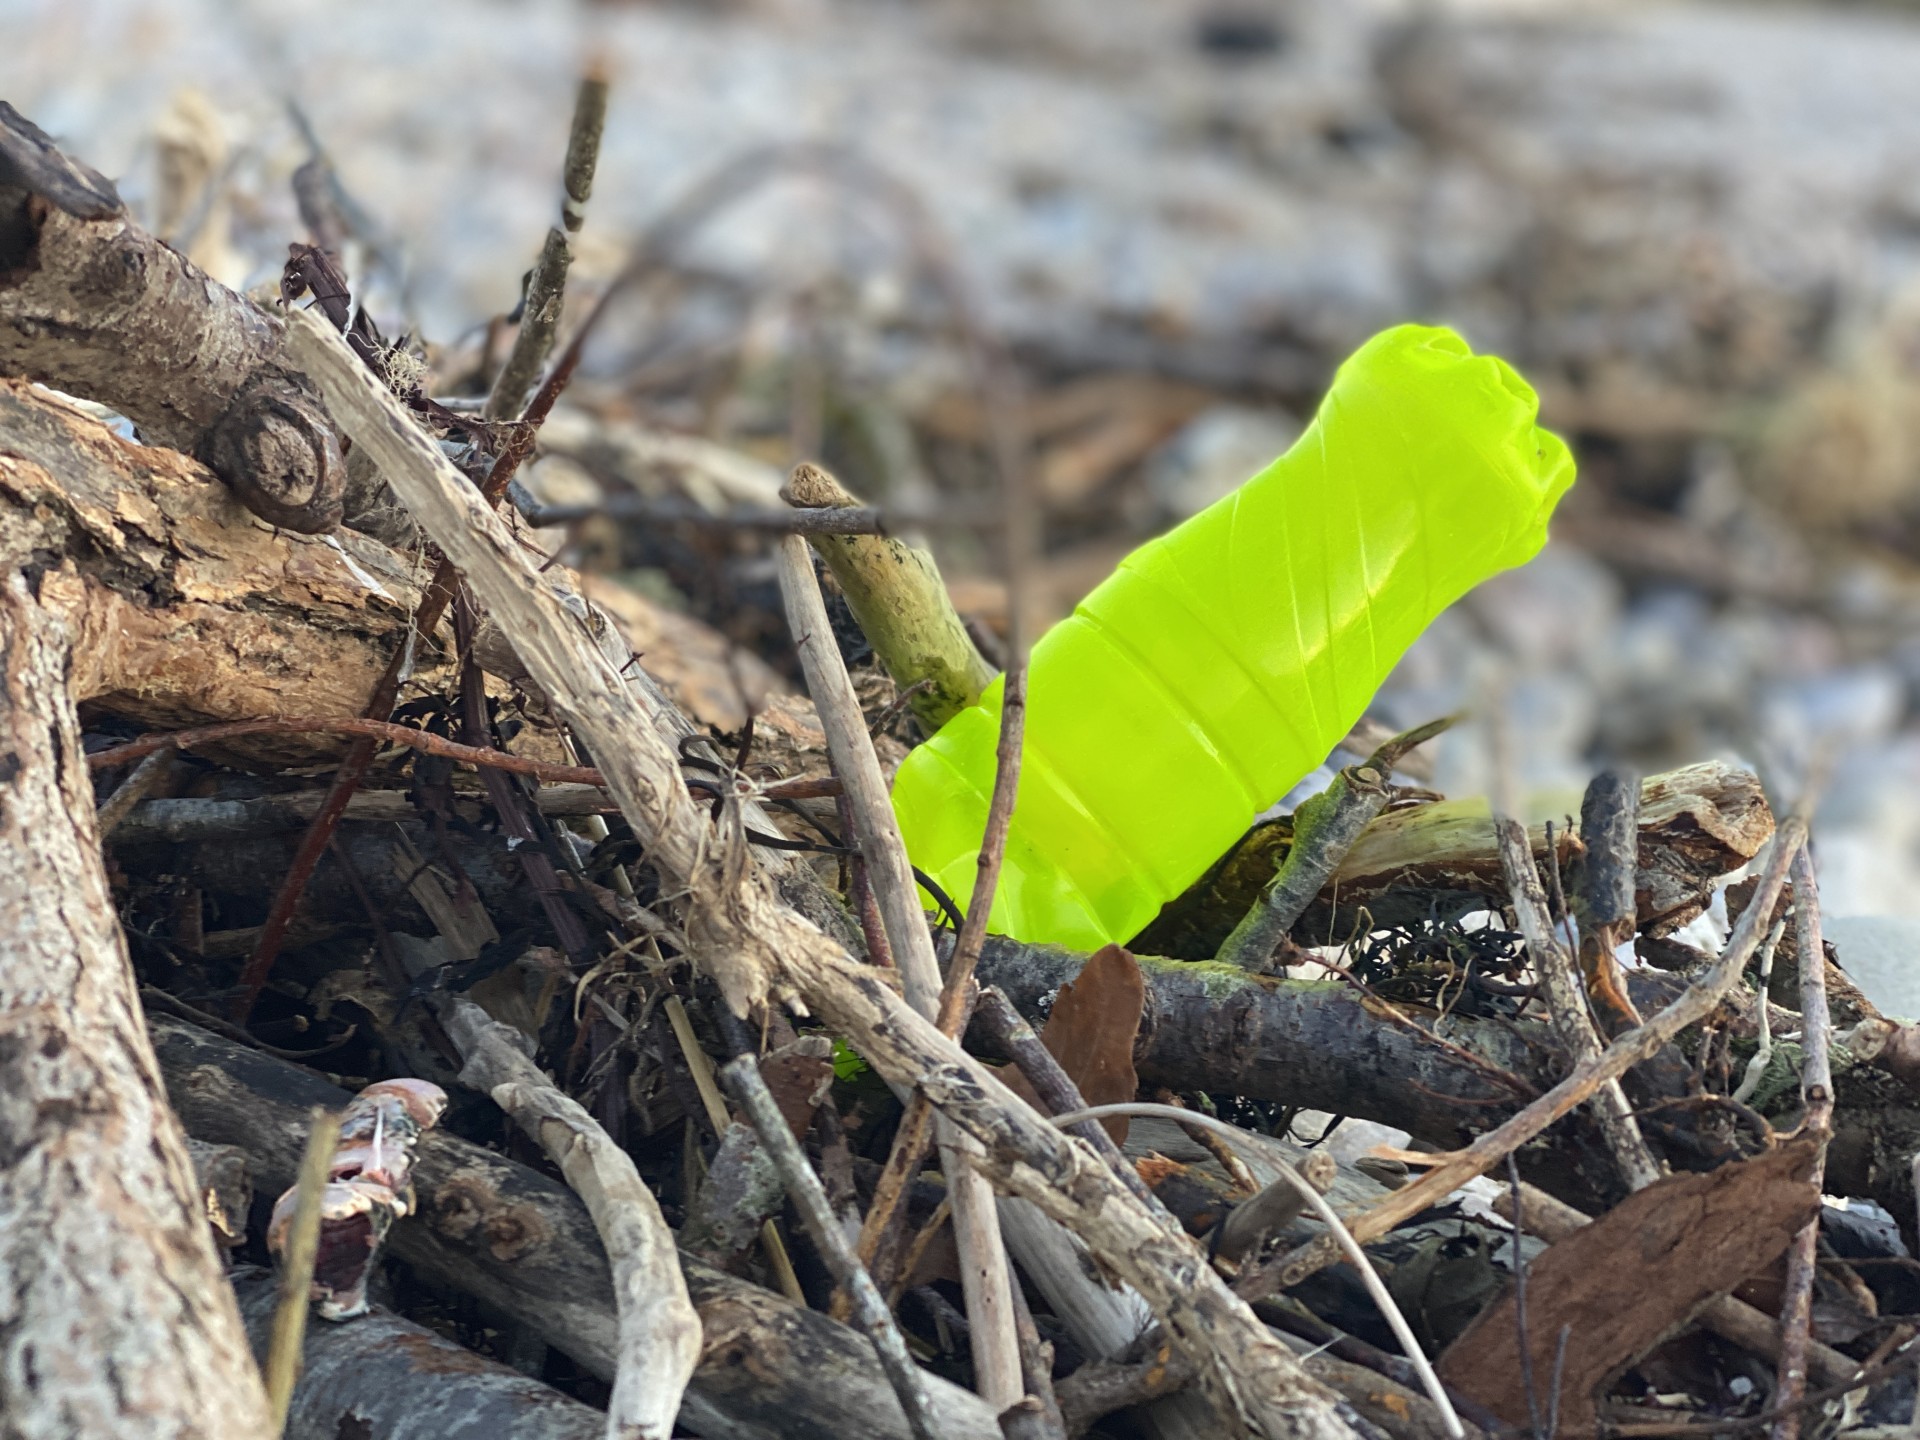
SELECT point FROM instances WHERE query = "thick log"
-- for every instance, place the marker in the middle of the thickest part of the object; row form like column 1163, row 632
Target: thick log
column 94, row 305
column 1301, row 1042
column 525, row 1245
column 384, row 1378
column 192, row 610
column 1426, row 861
column 115, row 1315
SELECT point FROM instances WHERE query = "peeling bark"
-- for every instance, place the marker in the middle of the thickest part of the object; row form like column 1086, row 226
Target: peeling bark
column 190, row 610
column 94, row 305
column 115, row 1315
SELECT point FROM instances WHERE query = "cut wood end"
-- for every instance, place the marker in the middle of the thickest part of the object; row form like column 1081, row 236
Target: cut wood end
column 809, row 487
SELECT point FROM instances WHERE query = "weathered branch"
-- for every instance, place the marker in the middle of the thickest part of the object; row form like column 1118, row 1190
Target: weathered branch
column 1324, row 830
column 742, row 1077
column 1559, row 978
column 547, row 286
column 1816, row 1093
column 115, row 1316
column 525, row 1245
column 896, row 593
column 976, row 1227
column 192, row 611
column 659, row 1333
column 1426, row 861
column 92, row 304
column 383, row 1375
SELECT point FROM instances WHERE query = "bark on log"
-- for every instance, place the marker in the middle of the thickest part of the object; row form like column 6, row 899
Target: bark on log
column 115, row 1315
column 383, row 1378
column 96, row 306
column 525, row 1245
column 192, row 610
column 1314, row 1043
column 1696, row 825
column 659, row 1334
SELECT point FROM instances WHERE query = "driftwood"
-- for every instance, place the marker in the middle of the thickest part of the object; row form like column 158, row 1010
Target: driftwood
column 191, row 609
column 94, row 305
column 384, row 1378
column 1214, row 1027
column 984, row 1276
column 524, row 1244
column 758, row 950
column 1440, row 861
column 659, row 1333
column 115, row 1317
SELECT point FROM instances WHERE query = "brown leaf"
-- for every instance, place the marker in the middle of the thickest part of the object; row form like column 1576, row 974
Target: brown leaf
column 1091, row 1031
column 1634, row 1277
column 799, row 1075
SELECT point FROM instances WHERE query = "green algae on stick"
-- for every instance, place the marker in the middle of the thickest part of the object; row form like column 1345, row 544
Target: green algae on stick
column 1222, row 662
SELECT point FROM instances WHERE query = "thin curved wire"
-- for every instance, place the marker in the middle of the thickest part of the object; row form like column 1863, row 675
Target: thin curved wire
column 1430, row 1382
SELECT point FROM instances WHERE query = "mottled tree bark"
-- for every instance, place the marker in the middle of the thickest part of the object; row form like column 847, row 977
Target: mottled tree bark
column 385, row 1378
column 94, row 305
column 191, row 610
column 115, row 1315
column 1301, row 1042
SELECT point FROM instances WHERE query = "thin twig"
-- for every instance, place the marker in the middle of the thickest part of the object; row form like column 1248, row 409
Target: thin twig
column 1336, row 1227
column 1520, row 1310
column 296, row 1271
column 996, row 1350
column 742, row 1077
column 700, row 1066
column 1567, row 1000
column 146, row 776
column 1038, row 1416
column 1763, row 1012
column 1324, row 829
column 1455, row 1169
column 1816, row 1090
column 1003, row 1025
column 386, row 730
column 800, row 788
column 770, row 519
column 546, row 287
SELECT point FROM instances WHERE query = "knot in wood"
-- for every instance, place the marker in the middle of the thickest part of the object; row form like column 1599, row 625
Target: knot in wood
column 275, row 448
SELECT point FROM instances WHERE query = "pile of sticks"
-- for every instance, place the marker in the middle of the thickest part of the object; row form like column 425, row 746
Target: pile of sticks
column 188, row 631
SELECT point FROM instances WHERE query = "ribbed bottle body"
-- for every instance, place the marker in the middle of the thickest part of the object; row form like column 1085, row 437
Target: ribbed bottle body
column 1224, row 660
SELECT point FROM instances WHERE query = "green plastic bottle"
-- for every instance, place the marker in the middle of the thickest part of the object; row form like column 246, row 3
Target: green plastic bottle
column 1222, row 662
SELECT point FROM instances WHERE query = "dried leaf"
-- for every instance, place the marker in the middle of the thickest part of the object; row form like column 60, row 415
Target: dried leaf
column 1091, row 1031
column 1633, row 1277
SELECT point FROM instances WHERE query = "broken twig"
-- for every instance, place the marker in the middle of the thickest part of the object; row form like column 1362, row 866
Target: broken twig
column 301, row 1247
column 659, row 1331
column 1324, row 830
column 742, row 1077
